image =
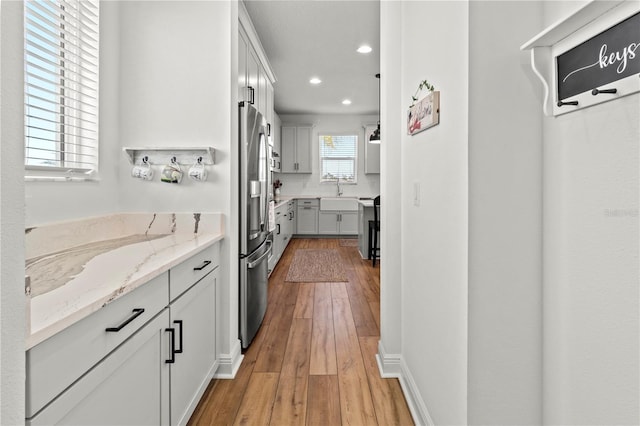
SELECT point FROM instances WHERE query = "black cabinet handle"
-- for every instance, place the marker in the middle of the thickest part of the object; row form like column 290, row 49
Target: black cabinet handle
column 179, row 322
column 252, row 92
column 173, row 346
column 134, row 314
column 204, row 265
column 278, row 226
column 595, row 92
column 268, row 129
column 574, row 103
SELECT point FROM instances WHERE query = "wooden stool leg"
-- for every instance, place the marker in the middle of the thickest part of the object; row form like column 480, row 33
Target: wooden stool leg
column 369, row 245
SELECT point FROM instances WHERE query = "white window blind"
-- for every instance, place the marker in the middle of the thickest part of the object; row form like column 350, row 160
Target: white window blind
column 338, row 158
column 61, row 85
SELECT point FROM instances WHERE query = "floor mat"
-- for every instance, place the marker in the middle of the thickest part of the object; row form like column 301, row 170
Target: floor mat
column 316, row 265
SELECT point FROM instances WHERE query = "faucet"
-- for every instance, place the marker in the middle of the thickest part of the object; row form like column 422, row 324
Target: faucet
column 338, row 185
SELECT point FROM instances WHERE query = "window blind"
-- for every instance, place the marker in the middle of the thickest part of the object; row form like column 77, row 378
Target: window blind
column 338, row 157
column 61, row 84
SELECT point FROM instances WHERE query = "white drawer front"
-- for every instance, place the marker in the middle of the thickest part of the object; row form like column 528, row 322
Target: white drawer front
column 308, row 202
column 57, row 362
column 192, row 270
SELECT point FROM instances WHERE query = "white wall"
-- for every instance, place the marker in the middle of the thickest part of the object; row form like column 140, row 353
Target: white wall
column 309, row 184
column 591, row 296
column 12, row 306
column 392, row 122
column 434, row 234
column 48, row 202
column 178, row 63
column 505, row 217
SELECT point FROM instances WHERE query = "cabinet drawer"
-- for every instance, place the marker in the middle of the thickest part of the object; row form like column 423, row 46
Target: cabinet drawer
column 192, row 270
column 308, row 202
column 57, row 362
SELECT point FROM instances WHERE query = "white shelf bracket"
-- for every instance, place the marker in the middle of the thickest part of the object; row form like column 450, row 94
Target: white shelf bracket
column 541, row 67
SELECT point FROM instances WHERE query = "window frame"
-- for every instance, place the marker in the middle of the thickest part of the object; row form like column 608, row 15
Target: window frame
column 69, row 32
column 320, row 141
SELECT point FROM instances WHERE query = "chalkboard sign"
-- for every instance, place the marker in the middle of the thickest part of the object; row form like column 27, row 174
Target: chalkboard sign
column 607, row 57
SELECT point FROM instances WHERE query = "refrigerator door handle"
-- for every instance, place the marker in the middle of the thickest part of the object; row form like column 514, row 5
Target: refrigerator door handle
column 256, row 262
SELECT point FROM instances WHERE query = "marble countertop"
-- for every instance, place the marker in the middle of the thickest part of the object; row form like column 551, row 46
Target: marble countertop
column 84, row 272
column 366, row 203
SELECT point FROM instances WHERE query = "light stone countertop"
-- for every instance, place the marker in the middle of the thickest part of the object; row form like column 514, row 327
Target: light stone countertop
column 95, row 261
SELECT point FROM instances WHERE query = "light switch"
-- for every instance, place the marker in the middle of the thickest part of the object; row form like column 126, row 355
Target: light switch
column 416, row 193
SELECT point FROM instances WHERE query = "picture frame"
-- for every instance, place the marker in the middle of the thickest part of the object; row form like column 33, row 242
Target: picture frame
column 424, row 114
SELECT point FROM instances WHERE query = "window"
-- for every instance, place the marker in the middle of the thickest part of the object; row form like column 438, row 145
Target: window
column 338, row 158
column 61, row 85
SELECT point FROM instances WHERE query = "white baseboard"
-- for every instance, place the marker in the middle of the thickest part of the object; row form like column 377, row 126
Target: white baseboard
column 393, row 366
column 228, row 364
column 412, row 395
column 388, row 364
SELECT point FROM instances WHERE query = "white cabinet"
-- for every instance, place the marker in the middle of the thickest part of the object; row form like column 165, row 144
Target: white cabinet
column 276, row 138
column 129, row 387
column 243, row 83
column 365, row 214
column 193, row 321
column 253, row 78
column 349, row 223
column 307, row 217
column 285, row 220
column 296, row 149
column 338, row 223
column 145, row 358
column 328, row 223
column 279, row 233
column 254, row 84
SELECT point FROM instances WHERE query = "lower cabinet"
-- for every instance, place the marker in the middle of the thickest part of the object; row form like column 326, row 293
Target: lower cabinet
column 156, row 375
column 128, row 387
column 193, row 325
column 307, row 216
column 349, row 223
column 338, row 223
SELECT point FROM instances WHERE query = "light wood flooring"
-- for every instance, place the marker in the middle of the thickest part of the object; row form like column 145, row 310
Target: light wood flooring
column 313, row 360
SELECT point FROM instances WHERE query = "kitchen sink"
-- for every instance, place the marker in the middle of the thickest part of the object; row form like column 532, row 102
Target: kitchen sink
column 339, row 203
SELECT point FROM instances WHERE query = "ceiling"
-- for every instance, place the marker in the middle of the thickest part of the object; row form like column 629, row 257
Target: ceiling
column 316, row 38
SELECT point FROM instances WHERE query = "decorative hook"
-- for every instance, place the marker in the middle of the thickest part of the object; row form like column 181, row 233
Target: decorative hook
column 597, row 91
column 145, row 159
column 199, row 160
column 174, row 160
column 574, row 103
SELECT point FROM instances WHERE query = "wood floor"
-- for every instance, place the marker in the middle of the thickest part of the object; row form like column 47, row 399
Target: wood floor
column 313, row 360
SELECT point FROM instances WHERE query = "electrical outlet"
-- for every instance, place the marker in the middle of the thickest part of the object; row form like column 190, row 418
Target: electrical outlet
column 416, row 194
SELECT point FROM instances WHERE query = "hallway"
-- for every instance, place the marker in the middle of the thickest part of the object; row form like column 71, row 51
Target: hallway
column 313, row 360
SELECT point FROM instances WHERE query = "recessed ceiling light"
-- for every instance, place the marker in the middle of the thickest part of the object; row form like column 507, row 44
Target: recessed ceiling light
column 364, row 49
column 346, row 102
column 315, row 80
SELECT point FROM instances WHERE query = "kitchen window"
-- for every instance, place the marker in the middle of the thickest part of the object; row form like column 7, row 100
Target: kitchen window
column 338, row 158
column 61, row 87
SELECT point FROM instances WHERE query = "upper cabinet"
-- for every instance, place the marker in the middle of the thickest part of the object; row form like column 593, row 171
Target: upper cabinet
column 255, row 76
column 296, row 149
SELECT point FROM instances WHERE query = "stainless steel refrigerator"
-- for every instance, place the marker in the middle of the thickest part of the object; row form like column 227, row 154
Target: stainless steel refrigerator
column 255, row 247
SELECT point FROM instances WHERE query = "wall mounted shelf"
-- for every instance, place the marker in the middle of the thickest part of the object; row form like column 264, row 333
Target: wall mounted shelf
column 586, row 22
column 163, row 155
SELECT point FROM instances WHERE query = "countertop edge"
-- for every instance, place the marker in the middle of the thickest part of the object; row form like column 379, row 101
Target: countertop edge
column 51, row 330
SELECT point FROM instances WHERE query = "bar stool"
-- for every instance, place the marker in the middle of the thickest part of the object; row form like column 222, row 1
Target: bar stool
column 374, row 227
